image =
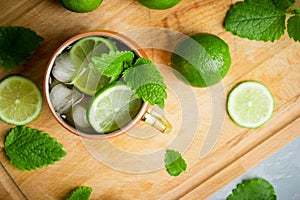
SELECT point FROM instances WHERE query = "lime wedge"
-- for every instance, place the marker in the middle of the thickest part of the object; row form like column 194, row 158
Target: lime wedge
column 87, row 79
column 250, row 104
column 113, row 107
column 20, row 100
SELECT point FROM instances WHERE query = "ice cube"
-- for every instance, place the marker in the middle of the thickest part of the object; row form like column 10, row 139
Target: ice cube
column 79, row 117
column 64, row 69
column 62, row 98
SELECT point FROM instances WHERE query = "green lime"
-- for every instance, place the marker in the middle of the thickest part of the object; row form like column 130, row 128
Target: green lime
column 81, row 6
column 201, row 60
column 87, row 79
column 113, row 107
column 20, row 100
column 250, row 104
column 159, row 4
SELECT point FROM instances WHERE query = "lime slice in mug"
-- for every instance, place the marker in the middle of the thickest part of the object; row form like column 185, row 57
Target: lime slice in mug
column 113, row 107
column 87, row 79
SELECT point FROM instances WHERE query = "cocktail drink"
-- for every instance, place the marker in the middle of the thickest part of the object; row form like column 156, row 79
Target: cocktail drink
column 86, row 90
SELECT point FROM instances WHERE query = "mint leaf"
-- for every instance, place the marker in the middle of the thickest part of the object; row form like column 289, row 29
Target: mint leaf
column 293, row 27
column 81, row 193
column 256, row 20
column 174, row 163
column 153, row 93
column 146, row 81
column 257, row 188
column 284, row 4
column 17, row 44
column 29, row 149
column 112, row 64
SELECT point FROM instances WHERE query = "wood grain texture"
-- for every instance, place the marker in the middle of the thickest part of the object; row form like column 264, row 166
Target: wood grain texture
column 238, row 149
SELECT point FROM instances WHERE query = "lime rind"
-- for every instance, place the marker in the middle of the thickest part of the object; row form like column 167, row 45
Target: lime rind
column 19, row 105
column 159, row 4
column 250, row 104
column 81, row 6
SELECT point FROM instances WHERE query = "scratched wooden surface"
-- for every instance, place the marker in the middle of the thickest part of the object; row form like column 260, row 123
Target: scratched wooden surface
column 108, row 166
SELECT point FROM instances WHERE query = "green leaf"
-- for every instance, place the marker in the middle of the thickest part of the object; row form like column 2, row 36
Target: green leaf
column 293, row 27
column 174, row 163
column 146, row 81
column 112, row 64
column 153, row 93
column 29, row 148
column 17, row 44
column 284, row 4
column 81, row 193
column 256, row 20
column 257, row 188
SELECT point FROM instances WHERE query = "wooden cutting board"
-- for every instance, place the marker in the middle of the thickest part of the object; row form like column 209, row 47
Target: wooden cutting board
column 120, row 168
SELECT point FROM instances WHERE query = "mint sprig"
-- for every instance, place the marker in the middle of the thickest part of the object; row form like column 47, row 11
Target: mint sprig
column 112, row 64
column 17, row 44
column 147, row 82
column 174, row 163
column 256, row 188
column 30, row 149
column 263, row 20
column 142, row 76
column 81, row 193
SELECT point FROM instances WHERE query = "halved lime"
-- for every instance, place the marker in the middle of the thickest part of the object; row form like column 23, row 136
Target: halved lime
column 113, row 107
column 87, row 79
column 20, row 100
column 250, row 104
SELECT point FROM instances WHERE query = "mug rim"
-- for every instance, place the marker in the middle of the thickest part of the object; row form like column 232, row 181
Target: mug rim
column 106, row 33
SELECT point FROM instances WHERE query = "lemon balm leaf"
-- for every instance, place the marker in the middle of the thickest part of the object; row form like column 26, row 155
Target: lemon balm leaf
column 174, row 163
column 17, row 44
column 153, row 93
column 146, row 81
column 256, row 188
column 293, row 27
column 284, row 4
column 29, row 149
column 112, row 64
column 256, row 20
column 81, row 193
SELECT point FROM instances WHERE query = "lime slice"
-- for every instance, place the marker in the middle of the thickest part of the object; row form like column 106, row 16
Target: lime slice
column 20, row 100
column 113, row 107
column 250, row 104
column 87, row 79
